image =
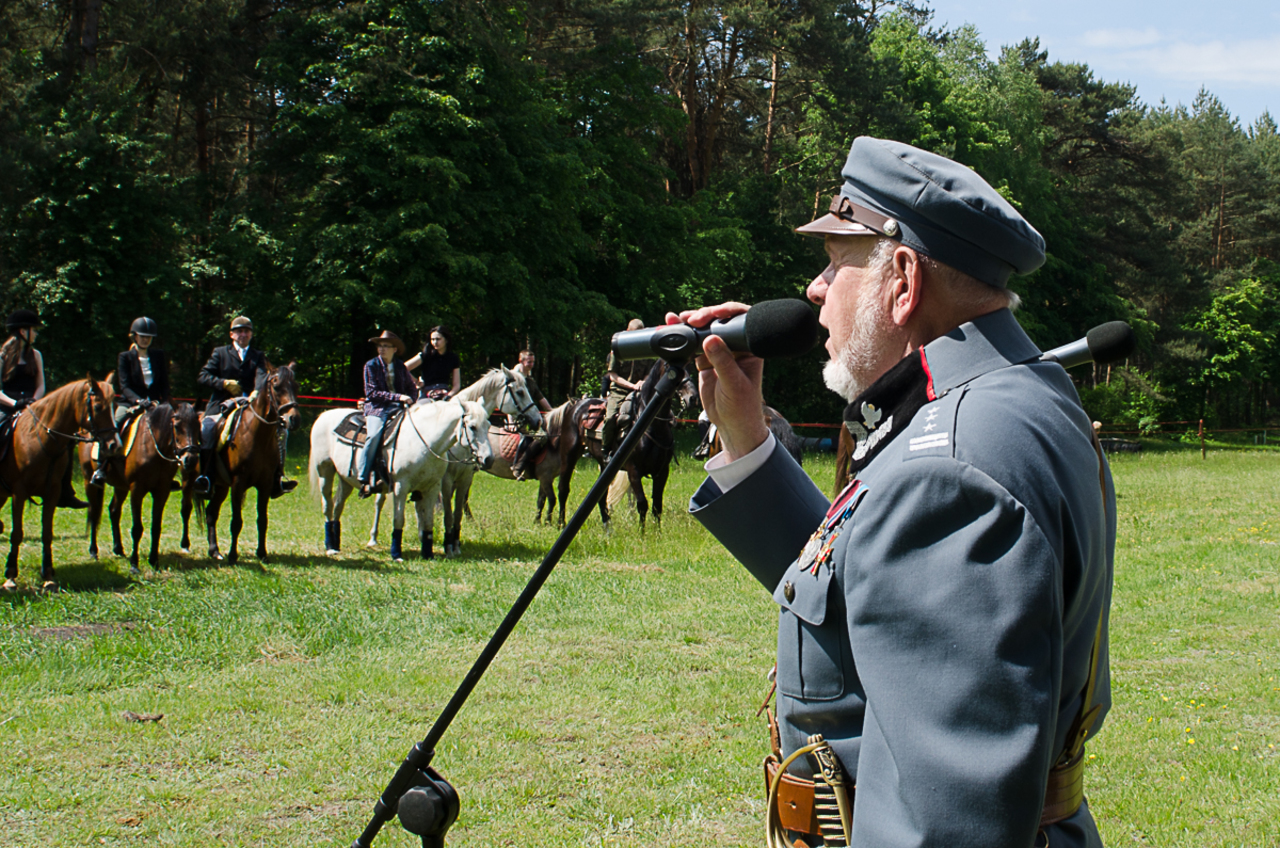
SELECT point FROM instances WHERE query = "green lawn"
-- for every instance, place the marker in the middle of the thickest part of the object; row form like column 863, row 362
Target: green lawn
column 620, row 712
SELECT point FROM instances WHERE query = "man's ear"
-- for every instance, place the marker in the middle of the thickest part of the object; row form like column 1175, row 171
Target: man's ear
column 907, row 285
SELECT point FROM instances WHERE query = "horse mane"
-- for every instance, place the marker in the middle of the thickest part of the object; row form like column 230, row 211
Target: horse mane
column 555, row 417
column 58, row 395
column 476, row 391
column 651, row 380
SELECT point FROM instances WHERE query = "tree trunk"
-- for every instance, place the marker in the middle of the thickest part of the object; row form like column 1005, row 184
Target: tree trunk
column 773, row 104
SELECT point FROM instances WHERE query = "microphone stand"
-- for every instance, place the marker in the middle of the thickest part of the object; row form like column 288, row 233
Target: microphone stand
column 426, row 803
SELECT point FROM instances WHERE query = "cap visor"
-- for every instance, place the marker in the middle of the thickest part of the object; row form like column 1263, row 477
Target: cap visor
column 831, row 225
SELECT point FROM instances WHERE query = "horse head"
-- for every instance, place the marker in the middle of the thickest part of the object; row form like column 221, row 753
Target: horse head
column 186, row 438
column 283, row 388
column 473, row 435
column 95, row 413
column 516, row 399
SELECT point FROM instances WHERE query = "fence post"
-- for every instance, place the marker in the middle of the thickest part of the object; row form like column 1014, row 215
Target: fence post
column 1202, row 438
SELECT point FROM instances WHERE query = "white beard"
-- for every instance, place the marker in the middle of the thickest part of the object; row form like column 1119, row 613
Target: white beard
column 871, row 334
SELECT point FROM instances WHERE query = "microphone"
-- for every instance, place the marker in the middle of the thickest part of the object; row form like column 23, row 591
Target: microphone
column 1104, row 343
column 770, row 329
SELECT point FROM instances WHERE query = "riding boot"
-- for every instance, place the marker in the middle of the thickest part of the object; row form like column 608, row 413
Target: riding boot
column 331, row 536
column 202, row 486
column 283, row 486
column 99, row 478
column 520, row 465
column 68, row 499
column 396, row 537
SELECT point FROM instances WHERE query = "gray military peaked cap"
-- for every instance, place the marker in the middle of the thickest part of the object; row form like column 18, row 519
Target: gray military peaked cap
column 934, row 205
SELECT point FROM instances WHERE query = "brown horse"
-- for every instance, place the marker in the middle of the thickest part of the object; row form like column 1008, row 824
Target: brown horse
column 165, row 440
column 578, row 435
column 43, row 435
column 777, row 424
column 252, row 461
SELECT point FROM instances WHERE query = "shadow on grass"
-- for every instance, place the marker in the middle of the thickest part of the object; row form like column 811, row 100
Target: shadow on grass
column 81, row 578
column 482, row 550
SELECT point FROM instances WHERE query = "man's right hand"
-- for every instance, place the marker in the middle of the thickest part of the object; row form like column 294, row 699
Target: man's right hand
column 232, row 386
column 728, row 383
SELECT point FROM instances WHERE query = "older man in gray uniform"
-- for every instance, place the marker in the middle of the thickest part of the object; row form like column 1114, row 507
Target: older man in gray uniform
column 942, row 646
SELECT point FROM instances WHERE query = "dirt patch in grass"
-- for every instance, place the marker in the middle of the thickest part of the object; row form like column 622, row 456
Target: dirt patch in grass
column 67, row 632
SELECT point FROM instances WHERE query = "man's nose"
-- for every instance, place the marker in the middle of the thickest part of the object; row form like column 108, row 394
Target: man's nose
column 817, row 291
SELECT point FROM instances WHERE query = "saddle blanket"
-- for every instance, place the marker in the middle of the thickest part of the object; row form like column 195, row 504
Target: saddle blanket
column 508, row 442
column 131, row 428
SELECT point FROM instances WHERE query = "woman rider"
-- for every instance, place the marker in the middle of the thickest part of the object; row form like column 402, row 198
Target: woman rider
column 143, row 372
column 441, row 368
column 22, row 381
column 386, row 383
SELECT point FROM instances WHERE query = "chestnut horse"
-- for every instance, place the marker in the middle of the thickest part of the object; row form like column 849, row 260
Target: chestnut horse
column 252, row 459
column 43, row 435
column 165, row 440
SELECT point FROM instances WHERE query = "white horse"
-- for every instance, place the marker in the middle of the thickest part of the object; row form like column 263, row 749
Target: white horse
column 500, row 389
column 419, row 459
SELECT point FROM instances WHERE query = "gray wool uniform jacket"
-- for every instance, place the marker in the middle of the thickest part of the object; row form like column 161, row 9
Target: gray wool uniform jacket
column 942, row 645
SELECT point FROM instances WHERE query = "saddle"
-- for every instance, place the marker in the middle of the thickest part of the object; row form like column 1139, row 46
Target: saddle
column 350, row 431
column 229, row 421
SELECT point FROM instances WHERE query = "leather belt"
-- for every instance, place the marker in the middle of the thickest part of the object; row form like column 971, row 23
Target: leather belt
column 796, row 811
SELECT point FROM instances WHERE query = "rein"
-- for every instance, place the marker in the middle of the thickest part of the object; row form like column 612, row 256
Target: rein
column 509, row 393
column 95, row 435
column 179, row 450
column 471, row 445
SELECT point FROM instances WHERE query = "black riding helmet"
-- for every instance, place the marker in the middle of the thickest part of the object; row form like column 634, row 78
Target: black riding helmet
column 144, row 326
column 22, row 318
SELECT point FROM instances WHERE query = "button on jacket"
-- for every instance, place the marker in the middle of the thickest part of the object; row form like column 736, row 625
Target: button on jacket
column 943, row 644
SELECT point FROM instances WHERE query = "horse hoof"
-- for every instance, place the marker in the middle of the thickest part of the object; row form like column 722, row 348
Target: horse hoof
column 262, row 557
column 233, row 557
column 214, row 555
column 49, row 586
column 332, row 551
column 186, row 550
column 397, row 559
column 10, row 585
column 134, row 571
column 372, row 543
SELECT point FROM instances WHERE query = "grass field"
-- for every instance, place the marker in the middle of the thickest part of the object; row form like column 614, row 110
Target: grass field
column 621, row 711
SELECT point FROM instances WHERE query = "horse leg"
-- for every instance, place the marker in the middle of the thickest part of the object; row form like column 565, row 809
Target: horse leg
column 93, row 517
column 397, row 524
column 378, row 501
column 115, row 510
column 264, row 497
column 426, row 510
column 211, row 510
column 187, row 504
column 159, row 497
column 637, row 486
column 659, row 484
column 327, row 506
column 15, row 543
column 46, row 554
column 135, row 507
column 237, row 523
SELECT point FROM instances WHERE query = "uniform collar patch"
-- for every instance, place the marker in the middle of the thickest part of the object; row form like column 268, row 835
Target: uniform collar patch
column 881, row 412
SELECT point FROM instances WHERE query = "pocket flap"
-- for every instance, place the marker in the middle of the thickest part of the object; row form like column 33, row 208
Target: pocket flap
column 804, row 593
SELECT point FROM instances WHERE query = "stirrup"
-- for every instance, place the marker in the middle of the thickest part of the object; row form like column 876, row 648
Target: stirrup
column 97, row 480
column 202, row 486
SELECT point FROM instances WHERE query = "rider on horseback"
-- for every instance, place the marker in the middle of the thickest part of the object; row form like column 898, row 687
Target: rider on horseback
column 530, row 445
column 226, row 373
column 22, row 382
column 143, row 373
column 387, row 384
column 620, row 387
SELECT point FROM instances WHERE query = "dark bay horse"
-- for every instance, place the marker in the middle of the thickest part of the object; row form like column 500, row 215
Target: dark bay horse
column 165, row 440
column 252, row 460
column 652, row 456
column 578, row 435
column 44, row 434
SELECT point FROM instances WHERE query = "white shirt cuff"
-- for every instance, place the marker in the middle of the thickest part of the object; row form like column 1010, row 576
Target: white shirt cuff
column 728, row 474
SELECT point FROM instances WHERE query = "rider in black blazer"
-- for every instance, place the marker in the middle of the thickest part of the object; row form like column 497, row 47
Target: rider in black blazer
column 134, row 391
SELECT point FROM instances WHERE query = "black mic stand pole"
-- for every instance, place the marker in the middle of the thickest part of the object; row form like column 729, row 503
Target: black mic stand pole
column 427, row 804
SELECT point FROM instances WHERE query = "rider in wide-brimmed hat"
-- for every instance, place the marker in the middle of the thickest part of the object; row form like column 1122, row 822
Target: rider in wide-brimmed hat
column 22, row 380
column 387, row 385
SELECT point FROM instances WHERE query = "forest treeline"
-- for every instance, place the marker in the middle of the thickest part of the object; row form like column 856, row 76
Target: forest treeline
column 536, row 172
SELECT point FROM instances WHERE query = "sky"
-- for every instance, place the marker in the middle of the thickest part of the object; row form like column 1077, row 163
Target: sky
column 1166, row 50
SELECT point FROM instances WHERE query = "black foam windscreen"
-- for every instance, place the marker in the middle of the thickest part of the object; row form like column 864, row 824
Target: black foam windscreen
column 781, row 328
column 1110, row 342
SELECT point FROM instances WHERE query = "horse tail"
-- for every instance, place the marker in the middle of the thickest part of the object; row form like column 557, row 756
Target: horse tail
column 618, row 489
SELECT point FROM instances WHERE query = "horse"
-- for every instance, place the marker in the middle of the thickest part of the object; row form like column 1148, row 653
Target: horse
column 43, row 435
column 652, row 456
column 500, row 389
column 165, row 440
column 577, row 436
column 252, row 458
column 455, row 488
column 844, row 456
column 429, row 430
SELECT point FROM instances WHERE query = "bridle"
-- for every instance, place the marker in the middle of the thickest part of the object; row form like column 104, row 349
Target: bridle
column 509, row 394
column 471, row 444
column 279, row 409
column 192, row 446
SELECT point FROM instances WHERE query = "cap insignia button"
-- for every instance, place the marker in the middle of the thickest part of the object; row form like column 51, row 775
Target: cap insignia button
column 890, row 227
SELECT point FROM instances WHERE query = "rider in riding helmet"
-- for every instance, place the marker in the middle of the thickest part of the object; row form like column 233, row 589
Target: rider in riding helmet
column 22, row 381
column 623, row 378
column 387, row 382
column 227, row 374
column 441, row 376
column 143, row 372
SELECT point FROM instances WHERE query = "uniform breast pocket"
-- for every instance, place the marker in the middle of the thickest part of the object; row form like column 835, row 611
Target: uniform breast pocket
column 813, row 648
